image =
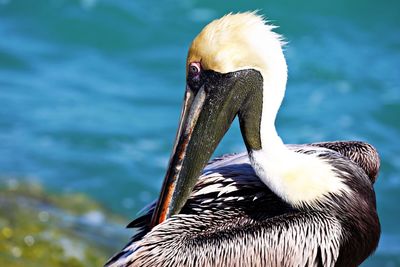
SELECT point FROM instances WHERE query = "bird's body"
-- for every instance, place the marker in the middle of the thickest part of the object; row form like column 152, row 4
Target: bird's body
column 276, row 205
column 233, row 219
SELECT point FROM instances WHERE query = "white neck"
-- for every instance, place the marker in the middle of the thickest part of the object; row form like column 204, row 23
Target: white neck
column 295, row 177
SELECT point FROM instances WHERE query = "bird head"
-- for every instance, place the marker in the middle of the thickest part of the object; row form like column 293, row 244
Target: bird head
column 235, row 67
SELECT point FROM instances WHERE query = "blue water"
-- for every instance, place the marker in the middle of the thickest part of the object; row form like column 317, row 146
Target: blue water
column 90, row 91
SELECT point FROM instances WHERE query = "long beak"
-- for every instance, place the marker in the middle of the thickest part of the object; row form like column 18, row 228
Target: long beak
column 208, row 112
column 202, row 125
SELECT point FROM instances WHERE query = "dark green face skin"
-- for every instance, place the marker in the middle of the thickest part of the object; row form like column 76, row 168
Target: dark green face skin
column 224, row 96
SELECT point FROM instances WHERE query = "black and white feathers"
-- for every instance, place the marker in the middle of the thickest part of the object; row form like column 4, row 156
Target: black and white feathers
column 233, row 219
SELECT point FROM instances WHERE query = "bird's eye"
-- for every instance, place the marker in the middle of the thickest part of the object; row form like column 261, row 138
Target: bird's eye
column 194, row 68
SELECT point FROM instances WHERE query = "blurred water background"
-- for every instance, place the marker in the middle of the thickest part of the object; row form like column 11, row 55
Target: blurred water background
column 90, row 95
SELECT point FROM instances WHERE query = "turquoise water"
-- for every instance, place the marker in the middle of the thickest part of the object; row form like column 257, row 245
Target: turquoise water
column 90, row 91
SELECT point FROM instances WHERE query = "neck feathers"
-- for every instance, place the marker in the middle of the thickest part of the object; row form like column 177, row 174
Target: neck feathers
column 300, row 179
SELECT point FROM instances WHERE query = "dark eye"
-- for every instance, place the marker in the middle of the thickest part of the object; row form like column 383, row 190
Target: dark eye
column 194, row 68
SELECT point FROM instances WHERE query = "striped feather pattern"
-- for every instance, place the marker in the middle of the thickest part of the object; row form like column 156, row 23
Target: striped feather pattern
column 233, row 219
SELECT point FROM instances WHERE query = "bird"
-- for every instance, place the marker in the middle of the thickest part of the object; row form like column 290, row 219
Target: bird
column 276, row 204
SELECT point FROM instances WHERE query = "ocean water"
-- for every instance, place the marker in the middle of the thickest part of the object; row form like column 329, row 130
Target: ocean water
column 91, row 91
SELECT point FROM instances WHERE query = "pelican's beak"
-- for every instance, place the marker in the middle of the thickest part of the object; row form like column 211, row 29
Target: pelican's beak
column 212, row 100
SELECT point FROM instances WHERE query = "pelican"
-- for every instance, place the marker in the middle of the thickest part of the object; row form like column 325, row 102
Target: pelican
column 276, row 204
